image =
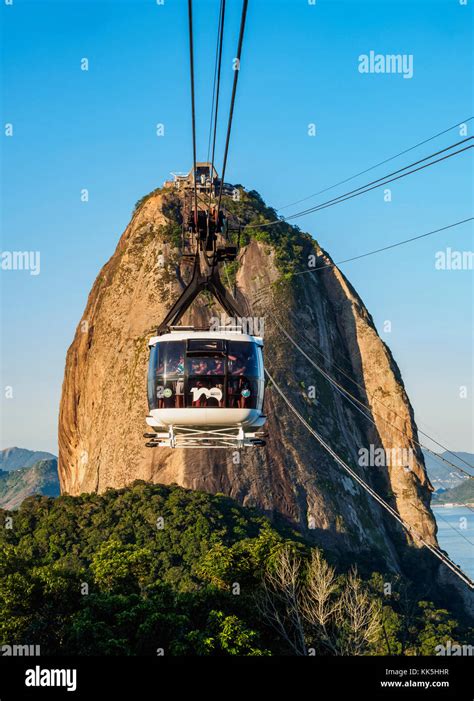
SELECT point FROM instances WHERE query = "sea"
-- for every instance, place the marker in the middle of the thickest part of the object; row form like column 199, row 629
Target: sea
column 456, row 535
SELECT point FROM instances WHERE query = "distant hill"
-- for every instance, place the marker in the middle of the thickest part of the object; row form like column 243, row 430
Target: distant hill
column 461, row 494
column 441, row 475
column 40, row 478
column 15, row 458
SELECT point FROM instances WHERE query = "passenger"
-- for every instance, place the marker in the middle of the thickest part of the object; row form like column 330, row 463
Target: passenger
column 219, row 367
column 172, row 366
column 201, row 401
column 238, row 366
column 244, row 399
column 180, row 384
column 200, row 368
column 159, row 394
column 219, row 371
column 175, row 364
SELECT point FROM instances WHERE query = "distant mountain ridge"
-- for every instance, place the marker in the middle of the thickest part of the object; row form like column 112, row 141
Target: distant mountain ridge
column 443, row 476
column 16, row 458
column 17, row 485
column 461, row 494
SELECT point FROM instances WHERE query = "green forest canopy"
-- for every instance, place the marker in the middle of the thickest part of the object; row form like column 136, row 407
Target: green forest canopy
column 152, row 569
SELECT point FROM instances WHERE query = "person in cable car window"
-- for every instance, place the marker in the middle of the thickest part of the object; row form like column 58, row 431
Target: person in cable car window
column 237, row 365
column 243, row 397
column 175, row 366
column 237, row 369
column 180, row 383
column 219, row 370
column 160, row 371
column 199, row 368
column 211, row 369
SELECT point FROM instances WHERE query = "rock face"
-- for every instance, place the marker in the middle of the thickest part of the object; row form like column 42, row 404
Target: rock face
column 103, row 404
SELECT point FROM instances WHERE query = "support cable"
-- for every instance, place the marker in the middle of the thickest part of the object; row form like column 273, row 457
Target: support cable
column 415, row 535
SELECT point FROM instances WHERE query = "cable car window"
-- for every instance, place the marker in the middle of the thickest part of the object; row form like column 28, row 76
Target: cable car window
column 171, row 358
column 205, row 392
column 206, row 366
column 151, row 383
column 205, row 378
column 242, row 393
column 206, row 344
column 242, row 358
column 167, row 389
column 170, row 394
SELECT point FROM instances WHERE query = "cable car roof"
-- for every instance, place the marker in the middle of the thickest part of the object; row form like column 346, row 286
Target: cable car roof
column 186, row 333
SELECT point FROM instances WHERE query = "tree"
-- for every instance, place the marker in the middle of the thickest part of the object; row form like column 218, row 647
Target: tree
column 311, row 609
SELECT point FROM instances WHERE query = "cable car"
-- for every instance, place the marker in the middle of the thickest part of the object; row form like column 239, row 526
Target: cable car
column 205, row 388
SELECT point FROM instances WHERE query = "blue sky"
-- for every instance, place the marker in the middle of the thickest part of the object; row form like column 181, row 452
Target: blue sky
column 97, row 130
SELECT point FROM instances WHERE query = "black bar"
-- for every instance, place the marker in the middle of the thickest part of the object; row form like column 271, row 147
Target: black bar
column 317, row 678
